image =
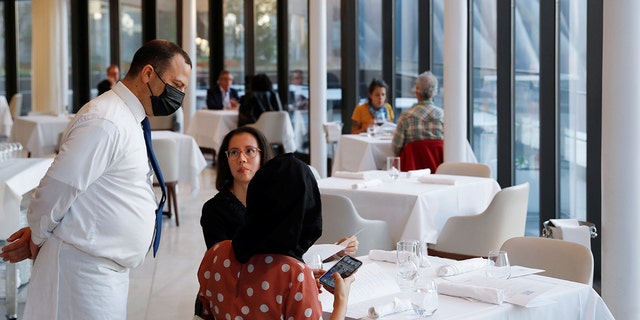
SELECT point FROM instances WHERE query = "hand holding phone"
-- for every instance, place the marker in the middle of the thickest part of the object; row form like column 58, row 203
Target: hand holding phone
column 346, row 266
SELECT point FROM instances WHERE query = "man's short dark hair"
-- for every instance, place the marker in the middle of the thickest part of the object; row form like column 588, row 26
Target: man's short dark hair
column 157, row 53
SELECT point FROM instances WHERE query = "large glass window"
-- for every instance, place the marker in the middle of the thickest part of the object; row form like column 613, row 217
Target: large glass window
column 298, row 98
column 406, row 54
column 369, row 44
column 334, row 61
column 130, row 32
column 483, row 84
column 266, row 35
column 572, row 96
column 99, row 44
column 202, row 52
column 527, row 105
column 234, row 40
column 3, row 61
column 437, row 49
column 167, row 20
column 24, row 41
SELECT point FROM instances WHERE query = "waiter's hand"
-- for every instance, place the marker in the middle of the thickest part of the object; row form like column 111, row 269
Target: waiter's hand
column 20, row 247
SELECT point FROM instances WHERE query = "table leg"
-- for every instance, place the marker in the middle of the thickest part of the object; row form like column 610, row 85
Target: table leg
column 11, row 291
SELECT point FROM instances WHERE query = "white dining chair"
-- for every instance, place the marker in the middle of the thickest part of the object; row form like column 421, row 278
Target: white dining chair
column 474, row 236
column 277, row 128
column 166, row 151
column 341, row 219
column 15, row 105
column 332, row 133
column 464, row 169
column 559, row 258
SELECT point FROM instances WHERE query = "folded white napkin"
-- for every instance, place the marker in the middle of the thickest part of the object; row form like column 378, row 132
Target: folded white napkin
column 573, row 231
column 461, row 267
column 367, row 184
column 383, row 255
column 351, row 175
column 418, row 173
column 398, row 305
column 435, row 179
column 485, row 294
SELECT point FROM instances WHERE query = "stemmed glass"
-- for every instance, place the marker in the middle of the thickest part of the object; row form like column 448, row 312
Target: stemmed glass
column 380, row 119
column 424, row 298
column 498, row 266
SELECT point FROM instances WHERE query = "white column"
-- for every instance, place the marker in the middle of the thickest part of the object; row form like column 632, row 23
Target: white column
column 620, row 154
column 189, row 45
column 49, row 65
column 318, row 84
column 455, row 80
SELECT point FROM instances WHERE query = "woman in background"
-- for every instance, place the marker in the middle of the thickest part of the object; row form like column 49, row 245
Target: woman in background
column 376, row 109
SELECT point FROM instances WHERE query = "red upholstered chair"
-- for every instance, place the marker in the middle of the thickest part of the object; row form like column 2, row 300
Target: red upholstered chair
column 422, row 154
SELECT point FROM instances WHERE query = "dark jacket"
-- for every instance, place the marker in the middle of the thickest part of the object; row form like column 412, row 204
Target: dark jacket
column 214, row 97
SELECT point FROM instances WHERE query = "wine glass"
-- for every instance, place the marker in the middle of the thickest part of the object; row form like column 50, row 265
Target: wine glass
column 498, row 266
column 380, row 119
column 393, row 167
column 407, row 263
column 424, row 298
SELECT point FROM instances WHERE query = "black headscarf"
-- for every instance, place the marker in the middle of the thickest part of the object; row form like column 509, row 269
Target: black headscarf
column 283, row 211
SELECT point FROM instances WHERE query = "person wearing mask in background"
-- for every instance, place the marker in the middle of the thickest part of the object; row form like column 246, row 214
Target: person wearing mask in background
column 113, row 76
column 375, row 111
column 222, row 96
column 424, row 120
column 92, row 217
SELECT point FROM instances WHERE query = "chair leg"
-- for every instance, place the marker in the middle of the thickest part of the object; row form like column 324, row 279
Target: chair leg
column 173, row 200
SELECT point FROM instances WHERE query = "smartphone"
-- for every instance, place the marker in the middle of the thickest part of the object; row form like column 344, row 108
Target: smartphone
column 345, row 267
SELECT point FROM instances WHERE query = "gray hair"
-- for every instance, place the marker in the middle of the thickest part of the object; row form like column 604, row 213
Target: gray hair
column 426, row 85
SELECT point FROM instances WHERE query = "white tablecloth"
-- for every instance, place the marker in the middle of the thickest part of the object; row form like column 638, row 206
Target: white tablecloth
column 209, row 127
column 191, row 161
column 415, row 210
column 17, row 177
column 6, row 122
column 565, row 299
column 39, row 133
column 360, row 152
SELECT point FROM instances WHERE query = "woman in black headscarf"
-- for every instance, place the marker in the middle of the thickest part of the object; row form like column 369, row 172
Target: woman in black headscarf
column 260, row 273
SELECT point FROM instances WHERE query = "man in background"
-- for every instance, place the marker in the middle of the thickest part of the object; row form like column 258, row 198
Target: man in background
column 222, row 96
column 113, row 76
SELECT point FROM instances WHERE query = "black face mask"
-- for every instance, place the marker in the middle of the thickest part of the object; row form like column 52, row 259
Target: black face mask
column 168, row 101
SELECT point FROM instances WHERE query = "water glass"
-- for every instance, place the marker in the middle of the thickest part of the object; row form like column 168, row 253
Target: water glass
column 315, row 262
column 424, row 298
column 371, row 131
column 423, row 253
column 393, row 167
column 407, row 263
column 498, row 266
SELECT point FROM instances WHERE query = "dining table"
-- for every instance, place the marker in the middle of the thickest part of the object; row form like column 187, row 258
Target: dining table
column 18, row 176
column 208, row 127
column 413, row 209
column 190, row 159
column 6, row 120
column 39, row 133
column 526, row 295
column 360, row 152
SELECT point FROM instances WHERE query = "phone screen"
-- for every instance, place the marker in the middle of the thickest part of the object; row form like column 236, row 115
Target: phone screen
column 345, row 267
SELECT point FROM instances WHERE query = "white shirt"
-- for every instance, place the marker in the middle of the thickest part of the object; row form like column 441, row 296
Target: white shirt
column 98, row 194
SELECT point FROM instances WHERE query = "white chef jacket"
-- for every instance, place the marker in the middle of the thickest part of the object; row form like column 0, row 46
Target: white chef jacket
column 98, row 193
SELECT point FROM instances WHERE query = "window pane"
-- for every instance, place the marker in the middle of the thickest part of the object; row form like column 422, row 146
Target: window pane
column 130, row 32
column 526, row 97
column 298, row 98
column 23, row 18
column 437, row 49
column 99, row 44
column 202, row 52
column 266, row 35
column 234, row 40
column 334, row 61
column 167, row 20
column 572, row 121
column 406, row 54
column 370, row 43
column 483, row 85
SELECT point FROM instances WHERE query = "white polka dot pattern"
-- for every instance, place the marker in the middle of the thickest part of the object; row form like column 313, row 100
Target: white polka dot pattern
column 301, row 277
column 250, row 292
column 285, row 268
column 265, row 285
column 308, row 312
column 250, row 268
column 298, row 296
column 264, row 308
column 207, row 274
column 226, row 263
column 268, row 259
column 244, row 310
column 216, row 276
column 279, row 299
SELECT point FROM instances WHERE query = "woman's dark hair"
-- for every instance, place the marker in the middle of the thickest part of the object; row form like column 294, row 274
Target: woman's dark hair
column 224, row 178
column 261, row 82
column 376, row 83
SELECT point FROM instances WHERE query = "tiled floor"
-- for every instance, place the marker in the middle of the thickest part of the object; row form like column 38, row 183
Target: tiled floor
column 165, row 287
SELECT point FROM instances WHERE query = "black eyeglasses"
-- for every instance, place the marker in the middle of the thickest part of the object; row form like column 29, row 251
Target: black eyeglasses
column 249, row 152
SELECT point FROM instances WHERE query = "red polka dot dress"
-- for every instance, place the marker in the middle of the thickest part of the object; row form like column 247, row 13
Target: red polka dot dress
column 268, row 286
